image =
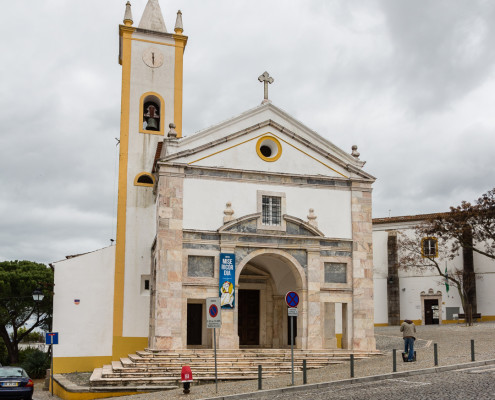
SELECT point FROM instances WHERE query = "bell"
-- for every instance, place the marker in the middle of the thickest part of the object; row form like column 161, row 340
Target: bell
column 152, row 124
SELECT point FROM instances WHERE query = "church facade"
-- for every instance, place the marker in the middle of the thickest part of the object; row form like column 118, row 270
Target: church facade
column 247, row 210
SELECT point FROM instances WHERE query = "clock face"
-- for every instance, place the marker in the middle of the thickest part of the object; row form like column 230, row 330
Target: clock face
column 152, row 57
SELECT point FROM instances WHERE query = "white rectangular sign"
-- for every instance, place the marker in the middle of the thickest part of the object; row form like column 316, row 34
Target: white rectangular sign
column 213, row 312
column 292, row 311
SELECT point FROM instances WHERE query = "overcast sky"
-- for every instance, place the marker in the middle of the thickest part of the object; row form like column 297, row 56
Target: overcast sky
column 410, row 82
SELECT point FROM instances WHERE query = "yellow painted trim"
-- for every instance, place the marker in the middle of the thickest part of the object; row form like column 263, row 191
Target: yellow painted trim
column 436, row 246
column 487, row 318
column 178, row 81
column 415, row 321
column 123, row 346
column 263, row 134
column 136, row 183
column 339, row 340
column 118, row 296
column 258, row 148
column 162, row 114
column 66, row 395
column 155, row 42
column 382, row 324
column 65, row 365
column 451, row 321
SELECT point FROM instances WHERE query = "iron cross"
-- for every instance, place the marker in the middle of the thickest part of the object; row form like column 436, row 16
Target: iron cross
column 266, row 79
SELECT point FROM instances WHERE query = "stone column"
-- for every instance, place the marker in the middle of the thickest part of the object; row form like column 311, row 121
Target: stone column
column 168, row 313
column 362, row 268
column 314, row 305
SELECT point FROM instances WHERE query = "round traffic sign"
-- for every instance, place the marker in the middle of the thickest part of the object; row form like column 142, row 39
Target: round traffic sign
column 292, row 299
column 213, row 310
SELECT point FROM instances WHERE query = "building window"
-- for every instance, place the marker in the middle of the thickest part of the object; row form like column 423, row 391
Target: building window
column 145, row 284
column 269, row 148
column 335, row 272
column 271, row 210
column 429, row 247
column 144, row 179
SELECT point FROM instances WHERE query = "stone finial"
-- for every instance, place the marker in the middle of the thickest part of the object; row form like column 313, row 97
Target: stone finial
column 228, row 213
column 355, row 153
column 172, row 133
column 266, row 79
column 152, row 18
column 312, row 218
column 128, row 14
column 178, row 24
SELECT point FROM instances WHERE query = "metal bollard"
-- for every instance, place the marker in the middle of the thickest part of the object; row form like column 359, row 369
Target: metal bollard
column 305, row 377
column 394, row 362
column 435, row 353
column 260, row 373
column 472, row 349
column 352, row 365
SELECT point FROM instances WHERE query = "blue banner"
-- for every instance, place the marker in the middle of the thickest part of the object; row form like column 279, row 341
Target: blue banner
column 227, row 280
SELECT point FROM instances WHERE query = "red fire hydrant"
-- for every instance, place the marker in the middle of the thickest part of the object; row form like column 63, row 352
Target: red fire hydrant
column 186, row 378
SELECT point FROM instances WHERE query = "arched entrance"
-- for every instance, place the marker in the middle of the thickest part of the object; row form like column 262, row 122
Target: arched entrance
column 263, row 278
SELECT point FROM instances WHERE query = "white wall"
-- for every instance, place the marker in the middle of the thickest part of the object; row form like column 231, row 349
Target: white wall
column 204, row 203
column 295, row 158
column 85, row 329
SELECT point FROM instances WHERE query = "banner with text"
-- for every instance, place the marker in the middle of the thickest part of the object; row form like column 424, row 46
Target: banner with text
column 227, row 280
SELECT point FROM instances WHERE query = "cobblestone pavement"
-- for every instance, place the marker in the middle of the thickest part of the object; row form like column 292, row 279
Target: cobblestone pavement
column 454, row 347
column 476, row 383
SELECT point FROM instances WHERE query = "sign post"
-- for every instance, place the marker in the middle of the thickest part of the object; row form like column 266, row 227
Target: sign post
column 51, row 338
column 292, row 300
column 214, row 320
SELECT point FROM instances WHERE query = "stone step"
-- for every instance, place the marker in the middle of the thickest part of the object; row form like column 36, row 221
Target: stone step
column 161, row 369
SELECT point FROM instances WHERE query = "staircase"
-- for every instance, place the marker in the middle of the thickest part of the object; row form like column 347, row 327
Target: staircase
column 160, row 369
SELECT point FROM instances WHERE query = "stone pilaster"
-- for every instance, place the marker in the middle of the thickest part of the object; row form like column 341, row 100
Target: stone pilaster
column 314, row 314
column 167, row 280
column 362, row 267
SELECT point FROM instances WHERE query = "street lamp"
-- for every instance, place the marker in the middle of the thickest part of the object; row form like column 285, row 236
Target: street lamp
column 38, row 295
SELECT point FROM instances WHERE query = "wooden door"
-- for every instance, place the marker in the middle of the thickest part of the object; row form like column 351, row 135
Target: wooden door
column 194, row 324
column 294, row 319
column 248, row 317
column 431, row 312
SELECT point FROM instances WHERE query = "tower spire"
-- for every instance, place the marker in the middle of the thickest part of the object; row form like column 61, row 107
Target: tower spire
column 128, row 14
column 178, row 24
column 152, row 18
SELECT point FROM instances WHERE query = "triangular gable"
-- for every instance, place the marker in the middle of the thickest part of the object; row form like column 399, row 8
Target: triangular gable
column 299, row 139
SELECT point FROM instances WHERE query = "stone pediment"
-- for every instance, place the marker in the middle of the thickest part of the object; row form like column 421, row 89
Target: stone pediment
column 242, row 142
column 249, row 224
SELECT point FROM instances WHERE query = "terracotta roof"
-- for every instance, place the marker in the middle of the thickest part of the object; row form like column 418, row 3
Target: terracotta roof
column 157, row 155
column 408, row 218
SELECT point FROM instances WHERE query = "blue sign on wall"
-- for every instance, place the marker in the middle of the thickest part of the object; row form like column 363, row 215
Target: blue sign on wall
column 51, row 338
column 227, row 280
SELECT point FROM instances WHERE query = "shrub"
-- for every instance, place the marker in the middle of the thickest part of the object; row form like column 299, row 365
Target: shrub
column 35, row 362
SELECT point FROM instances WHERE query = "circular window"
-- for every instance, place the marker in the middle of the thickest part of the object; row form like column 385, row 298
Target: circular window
column 268, row 148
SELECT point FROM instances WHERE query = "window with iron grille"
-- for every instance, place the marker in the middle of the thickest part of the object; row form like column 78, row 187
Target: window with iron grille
column 429, row 247
column 271, row 210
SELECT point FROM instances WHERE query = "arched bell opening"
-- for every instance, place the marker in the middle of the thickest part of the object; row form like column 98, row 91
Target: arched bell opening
column 263, row 281
column 151, row 113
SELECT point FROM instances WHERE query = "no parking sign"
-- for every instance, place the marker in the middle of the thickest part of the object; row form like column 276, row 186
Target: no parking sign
column 213, row 312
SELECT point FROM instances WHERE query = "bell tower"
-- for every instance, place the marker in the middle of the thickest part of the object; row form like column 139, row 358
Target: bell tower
column 152, row 65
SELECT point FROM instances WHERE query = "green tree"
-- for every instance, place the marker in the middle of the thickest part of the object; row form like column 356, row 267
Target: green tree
column 19, row 313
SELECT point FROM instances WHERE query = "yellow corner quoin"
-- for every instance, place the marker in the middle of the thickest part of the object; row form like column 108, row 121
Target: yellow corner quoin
column 162, row 113
column 118, row 303
column 339, row 340
column 180, row 41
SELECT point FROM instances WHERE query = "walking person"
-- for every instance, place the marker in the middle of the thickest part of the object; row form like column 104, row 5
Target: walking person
column 408, row 330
